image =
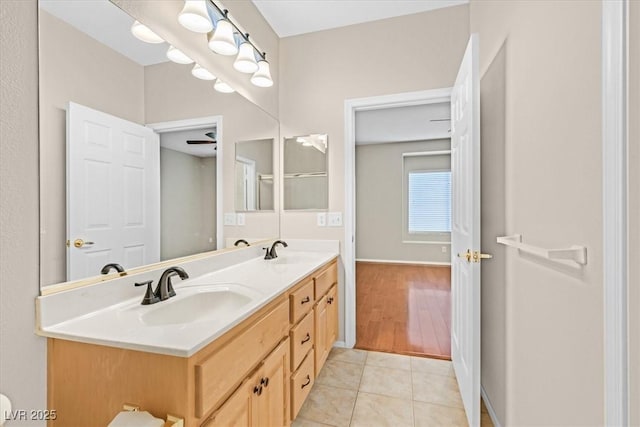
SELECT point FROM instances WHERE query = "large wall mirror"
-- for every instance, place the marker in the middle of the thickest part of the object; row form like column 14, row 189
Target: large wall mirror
column 254, row 180
column 306, row 185
column 137, row 156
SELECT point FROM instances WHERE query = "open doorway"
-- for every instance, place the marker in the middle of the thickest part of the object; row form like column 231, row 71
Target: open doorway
column 403, row 232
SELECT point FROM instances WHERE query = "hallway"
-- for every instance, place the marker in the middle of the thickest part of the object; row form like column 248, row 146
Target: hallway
column 404, row 309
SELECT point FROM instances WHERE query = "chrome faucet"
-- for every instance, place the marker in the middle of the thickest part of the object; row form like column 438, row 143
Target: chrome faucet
column 271, row 253
column 165, row 290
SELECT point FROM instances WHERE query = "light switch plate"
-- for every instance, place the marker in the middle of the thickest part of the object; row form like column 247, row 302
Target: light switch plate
column 322, row 219
column 230, row 218
column 240, row 219
column 335, row 219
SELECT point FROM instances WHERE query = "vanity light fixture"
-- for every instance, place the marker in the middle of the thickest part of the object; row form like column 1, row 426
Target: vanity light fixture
column 202, row 73
column 194, row 16
column 246, row 60
column 262, row 77
column 222, row 40
column 177, row 56
column 142, row 32
column 223, row 87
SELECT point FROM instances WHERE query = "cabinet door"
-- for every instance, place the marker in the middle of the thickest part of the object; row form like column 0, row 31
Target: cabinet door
column 322, row 352
column 272, row 404
column 332, row 317
column 236, row 411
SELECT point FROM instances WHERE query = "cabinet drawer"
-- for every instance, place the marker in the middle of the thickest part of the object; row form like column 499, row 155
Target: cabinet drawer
column 326, row 279
column 301, row 301
column 301, row 340
column 216, row 375
column 301, row 383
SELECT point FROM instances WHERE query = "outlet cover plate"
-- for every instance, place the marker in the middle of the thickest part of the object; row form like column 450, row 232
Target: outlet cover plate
column 240, row 219
column 322, row 219
column 335, row 219
column 230, row 218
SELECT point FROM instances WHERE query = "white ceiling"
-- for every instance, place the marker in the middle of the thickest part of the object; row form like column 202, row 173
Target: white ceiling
column 108, row 24
column 292, row 17
column 178, row 141
column 402, row 124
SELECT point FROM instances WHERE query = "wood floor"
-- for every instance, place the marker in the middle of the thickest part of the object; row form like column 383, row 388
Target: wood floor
column 403, row 309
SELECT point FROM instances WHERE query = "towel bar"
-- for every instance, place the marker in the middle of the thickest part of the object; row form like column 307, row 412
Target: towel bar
column 574, row 253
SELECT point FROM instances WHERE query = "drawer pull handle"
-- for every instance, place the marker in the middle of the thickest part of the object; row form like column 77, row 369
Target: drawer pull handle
column 307, row 383
column 307, row 338
column 265, row 382
column 257, row 390
column 305, row 300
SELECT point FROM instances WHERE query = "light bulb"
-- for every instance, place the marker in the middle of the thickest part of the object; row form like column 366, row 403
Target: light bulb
column 222, row 40
column 142, row 32
column 194, row 16
column 262, row 77
column 221, row 86
column 178, row 56
column 246, row 61
column 202, row 73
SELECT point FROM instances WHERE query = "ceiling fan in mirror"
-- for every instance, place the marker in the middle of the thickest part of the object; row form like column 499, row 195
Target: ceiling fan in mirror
column 211, row 135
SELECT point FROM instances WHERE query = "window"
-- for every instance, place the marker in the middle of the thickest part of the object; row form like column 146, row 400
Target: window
column 429, row 201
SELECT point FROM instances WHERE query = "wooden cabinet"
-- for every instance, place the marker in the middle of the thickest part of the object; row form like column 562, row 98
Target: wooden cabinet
column 262, row 399
column 257, row 374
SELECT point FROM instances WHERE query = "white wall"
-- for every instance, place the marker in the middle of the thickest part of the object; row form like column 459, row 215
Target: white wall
column 381, row 205
column 22, row 353
column 551, row 118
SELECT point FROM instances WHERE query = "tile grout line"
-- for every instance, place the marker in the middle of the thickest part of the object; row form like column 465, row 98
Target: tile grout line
column 413, row 409
column 353, row 410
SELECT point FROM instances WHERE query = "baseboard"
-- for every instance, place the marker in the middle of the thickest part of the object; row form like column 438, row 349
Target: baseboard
column 395, row 261
column 487, row 403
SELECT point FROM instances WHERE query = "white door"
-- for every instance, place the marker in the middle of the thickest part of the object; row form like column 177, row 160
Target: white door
column 465, row 239
column 113, row 192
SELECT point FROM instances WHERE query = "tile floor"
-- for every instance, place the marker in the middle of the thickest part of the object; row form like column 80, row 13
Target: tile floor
column 364, row 388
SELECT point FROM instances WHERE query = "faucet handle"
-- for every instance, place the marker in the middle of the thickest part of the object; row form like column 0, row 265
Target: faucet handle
column 268, row 254
column 149, row 297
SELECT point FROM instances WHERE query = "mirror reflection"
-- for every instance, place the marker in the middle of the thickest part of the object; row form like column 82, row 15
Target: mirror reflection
column 133, row 169
column 254, row 175
column 305, row 172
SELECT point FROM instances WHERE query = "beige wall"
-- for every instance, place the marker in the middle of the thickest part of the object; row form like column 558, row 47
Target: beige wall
column 22, row 353
column 553, row 197
column 187, row 204
column 187, row 98
column 74, row 67
column 380, row 205
column 634, row 213
column 319, row 71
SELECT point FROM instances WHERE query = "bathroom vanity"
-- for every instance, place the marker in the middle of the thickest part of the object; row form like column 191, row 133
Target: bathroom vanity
column 253, row 363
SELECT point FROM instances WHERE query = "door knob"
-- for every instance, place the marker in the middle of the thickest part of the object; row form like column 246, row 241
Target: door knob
column 466, row 255
column 79, row 243
column 478, row 256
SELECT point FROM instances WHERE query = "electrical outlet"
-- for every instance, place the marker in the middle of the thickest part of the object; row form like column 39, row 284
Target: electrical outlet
column 444, row 249
column 335, row 219
column 240, row 219
column 322, row 219
column 230, row 219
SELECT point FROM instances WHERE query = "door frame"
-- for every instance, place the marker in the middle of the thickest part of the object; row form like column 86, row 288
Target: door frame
column 351, row 106
column 200, row 123
column 615, row 90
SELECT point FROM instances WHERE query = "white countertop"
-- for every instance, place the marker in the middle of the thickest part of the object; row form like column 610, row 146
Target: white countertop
column 124, row 324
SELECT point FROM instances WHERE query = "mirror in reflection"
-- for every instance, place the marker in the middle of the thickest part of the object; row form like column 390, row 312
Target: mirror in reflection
column 305, row 172
column 133, row 174
column 254, row 175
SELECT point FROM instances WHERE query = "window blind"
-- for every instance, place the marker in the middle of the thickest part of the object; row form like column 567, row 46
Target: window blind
column 429, row 201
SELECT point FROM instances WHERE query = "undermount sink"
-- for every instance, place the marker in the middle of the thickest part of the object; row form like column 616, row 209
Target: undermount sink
column 204, row 302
